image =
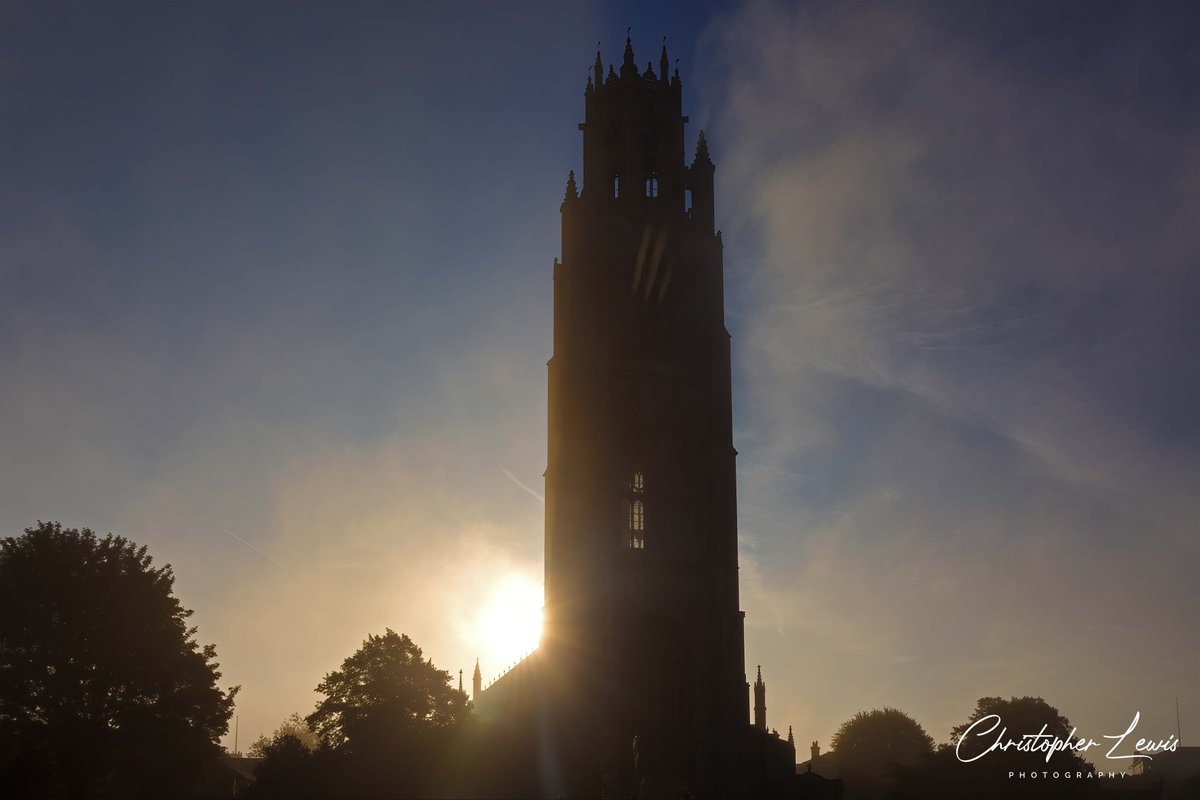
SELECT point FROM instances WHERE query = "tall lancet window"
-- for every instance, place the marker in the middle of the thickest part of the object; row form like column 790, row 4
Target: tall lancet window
column 652, row 186
column 637, row 512
column 616, row 186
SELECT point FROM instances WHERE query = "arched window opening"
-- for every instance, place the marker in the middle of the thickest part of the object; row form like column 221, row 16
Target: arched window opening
column 652, row 186
column 687, row 200
column 637, row 524
column 616, row 186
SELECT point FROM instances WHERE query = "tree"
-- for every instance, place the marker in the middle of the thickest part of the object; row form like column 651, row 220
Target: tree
column 970, row 771
column 103, row 687
column 385, row 686
column 290, row 770
column 390, row 725
column 1019, row 715
column 869, row 746
column 295, row 727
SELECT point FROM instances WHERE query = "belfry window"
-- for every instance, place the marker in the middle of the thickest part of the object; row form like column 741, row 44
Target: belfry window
column 637, row 512
column 616, row 186
column 652, row 186
column 637, row 524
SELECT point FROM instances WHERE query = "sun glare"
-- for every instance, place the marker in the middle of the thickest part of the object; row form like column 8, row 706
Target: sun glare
column 510, row 623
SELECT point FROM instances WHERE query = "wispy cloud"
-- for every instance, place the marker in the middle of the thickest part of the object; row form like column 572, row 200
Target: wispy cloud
column 965, row 359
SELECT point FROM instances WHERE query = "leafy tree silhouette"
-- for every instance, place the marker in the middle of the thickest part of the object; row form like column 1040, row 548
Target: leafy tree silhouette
column 103, row 688
column 945, row 775
column 1019, row 715
column 870, row 745
column 390, row 725
column 385, row 687
column 295, row 727
column 291, row 770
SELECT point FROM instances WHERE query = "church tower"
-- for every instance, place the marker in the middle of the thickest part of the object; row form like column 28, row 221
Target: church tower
column 639, row 685
column 642, row 616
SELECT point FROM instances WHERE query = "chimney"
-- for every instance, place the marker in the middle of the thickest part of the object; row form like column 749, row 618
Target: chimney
column 816, row 751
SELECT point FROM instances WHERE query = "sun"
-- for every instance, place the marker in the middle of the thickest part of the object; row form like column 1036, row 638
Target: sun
column 509, row 625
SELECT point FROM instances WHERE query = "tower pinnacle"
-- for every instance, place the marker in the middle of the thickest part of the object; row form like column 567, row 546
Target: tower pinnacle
column 702, row 156
column 628, row 67
column 572, row 187
column 760, row 702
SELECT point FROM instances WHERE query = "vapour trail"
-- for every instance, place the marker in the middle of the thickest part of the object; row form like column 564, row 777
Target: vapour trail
column 517, row 481
column 255, row 549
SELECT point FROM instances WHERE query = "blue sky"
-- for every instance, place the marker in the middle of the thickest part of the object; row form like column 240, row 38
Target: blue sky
column 275, row 301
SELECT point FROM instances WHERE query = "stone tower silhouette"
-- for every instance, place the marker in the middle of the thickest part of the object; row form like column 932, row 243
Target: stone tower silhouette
column 639, row 684
column 641, row 529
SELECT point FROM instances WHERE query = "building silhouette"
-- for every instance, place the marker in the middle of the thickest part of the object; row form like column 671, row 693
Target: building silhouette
column 639, row 686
